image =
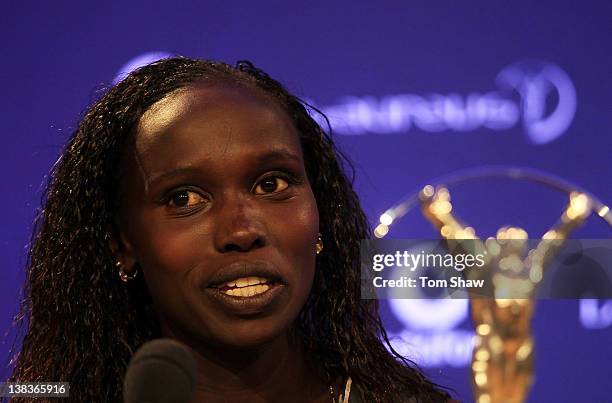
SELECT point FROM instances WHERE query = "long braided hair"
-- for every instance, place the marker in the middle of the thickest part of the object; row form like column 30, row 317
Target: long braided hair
column 82, row 325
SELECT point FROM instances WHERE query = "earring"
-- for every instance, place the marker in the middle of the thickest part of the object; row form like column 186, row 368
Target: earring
column 125, row 277
column 319, row 244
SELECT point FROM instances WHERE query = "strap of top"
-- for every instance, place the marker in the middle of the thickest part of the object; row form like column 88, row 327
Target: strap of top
column 344, row 398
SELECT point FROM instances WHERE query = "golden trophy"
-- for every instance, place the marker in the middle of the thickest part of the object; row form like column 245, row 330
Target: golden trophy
column 502, row 359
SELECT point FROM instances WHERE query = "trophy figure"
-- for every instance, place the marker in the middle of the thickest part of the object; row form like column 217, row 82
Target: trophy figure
column 502, row 358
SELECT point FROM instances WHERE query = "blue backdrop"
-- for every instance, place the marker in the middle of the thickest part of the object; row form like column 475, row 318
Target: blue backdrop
column 414, row 90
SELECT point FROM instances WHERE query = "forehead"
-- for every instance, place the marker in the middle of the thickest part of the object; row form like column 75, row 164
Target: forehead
column 216, row 113
column 211, row 123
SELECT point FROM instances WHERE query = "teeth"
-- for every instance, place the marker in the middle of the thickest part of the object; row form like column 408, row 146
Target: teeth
column 248, row 291
column 253, row 280
column 246, row 281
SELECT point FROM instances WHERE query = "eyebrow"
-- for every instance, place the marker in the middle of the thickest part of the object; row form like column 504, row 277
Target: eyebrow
column 268, row 157
column 276, row 155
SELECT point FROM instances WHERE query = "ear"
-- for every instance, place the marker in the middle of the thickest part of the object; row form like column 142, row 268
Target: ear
column 121, row 247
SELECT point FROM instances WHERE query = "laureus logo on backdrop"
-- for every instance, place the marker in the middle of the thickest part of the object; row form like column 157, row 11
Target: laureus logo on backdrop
column 538, row 96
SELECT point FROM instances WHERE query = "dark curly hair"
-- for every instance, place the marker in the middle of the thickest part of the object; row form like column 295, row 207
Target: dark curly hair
column 82, row 325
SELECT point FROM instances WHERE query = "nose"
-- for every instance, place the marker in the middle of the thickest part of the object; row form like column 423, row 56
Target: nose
column 239, row 228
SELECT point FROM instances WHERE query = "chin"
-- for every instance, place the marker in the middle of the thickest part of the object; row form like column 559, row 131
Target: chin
column 252, row 335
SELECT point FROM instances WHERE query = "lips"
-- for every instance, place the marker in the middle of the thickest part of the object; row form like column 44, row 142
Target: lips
column 247, row 288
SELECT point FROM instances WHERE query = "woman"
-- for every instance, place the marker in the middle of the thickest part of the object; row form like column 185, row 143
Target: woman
column 201, row 202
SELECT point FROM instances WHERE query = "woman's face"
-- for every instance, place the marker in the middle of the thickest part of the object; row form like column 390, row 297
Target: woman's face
column 218, row 212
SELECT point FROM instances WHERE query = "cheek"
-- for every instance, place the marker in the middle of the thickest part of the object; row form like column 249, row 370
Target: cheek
column 164, row 250
column 168, row 256
column 297, row 236
column 167, row 252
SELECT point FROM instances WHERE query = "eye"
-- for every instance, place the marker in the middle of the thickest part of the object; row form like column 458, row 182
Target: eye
column 271, row 184
column 185, row 199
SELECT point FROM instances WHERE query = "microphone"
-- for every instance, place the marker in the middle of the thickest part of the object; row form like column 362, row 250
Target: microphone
column 162, row 370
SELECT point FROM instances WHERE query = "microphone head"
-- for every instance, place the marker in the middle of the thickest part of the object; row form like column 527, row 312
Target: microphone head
column 162, row 370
